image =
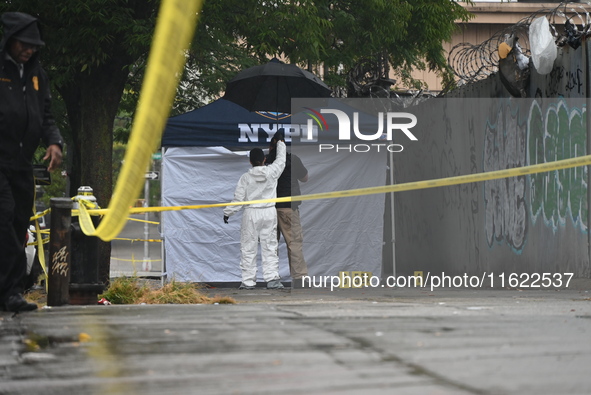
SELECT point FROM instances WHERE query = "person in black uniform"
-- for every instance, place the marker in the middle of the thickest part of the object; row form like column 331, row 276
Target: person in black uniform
column 25, row 121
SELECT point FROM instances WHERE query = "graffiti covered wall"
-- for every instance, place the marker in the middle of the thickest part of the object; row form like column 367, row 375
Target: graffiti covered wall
column 528, row 224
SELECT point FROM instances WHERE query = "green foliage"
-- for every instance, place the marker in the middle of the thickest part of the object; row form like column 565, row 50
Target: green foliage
column 339, row 33
column 57, row 188
column 233, row 35
column 118, row 155
column 97, row 49
column 80, row 36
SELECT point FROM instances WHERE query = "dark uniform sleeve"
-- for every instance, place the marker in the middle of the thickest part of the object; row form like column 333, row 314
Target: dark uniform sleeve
column 298, row 170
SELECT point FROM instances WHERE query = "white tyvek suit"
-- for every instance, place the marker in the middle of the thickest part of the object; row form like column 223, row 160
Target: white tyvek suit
column 259, row 221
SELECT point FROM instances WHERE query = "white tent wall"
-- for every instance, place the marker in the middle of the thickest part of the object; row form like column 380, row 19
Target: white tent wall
column 199, row 247
column 342, row 234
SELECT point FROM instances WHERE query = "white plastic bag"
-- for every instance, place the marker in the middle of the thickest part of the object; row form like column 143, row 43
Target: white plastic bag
column 30, row 250
column 543, row 48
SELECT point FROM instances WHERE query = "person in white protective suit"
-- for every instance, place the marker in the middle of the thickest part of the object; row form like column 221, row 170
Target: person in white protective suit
column 259, row 221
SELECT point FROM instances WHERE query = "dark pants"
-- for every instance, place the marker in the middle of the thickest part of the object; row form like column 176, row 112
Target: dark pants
column 17, row 193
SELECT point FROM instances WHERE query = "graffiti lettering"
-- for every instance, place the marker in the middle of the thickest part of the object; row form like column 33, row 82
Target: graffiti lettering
column 555, row 76
column 60, row 262
column 504, row 199
column 574, row 81
column 554, row 134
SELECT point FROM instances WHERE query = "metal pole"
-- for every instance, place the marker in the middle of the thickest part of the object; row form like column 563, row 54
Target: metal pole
column 147, row 266
column 59, row 267
column 392, row 217
column 162, row 246
column 587, row 63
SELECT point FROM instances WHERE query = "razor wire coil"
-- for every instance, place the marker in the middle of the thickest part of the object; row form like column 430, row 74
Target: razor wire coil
column 474, row 62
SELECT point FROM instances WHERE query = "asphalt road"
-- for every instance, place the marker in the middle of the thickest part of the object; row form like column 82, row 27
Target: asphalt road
column 346, row 341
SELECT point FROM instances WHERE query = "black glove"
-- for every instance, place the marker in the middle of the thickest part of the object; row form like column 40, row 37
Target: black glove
column 279, row 136
column 226, row 219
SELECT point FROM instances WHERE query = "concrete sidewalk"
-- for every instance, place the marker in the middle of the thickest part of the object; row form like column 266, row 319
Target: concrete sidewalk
column 349, row 341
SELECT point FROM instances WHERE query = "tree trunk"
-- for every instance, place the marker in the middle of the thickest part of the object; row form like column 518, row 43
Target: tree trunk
column 71, row 97
column 92, row 106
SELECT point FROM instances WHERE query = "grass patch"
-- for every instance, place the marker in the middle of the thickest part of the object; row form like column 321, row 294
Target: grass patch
column 130, row 290
column 124, row 290
column 174, row 293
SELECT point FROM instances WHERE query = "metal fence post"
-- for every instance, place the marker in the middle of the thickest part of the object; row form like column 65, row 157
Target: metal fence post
column 84, row 284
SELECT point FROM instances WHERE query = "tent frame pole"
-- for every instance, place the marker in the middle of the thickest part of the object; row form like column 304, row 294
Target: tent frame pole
column 392, row 216
column 162, row 250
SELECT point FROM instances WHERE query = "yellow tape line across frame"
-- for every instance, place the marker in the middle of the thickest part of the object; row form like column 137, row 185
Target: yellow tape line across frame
column 408, row 186
column 174, row 30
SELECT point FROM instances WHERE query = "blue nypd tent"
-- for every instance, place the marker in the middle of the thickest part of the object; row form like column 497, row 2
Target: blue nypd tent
column 222, row 123
column 205, row 153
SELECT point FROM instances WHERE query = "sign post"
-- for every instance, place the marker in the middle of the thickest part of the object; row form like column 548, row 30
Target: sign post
column 150, row 175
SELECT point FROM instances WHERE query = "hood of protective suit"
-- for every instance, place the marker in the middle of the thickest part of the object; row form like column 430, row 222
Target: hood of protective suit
column 258, row 173
column 14, row 22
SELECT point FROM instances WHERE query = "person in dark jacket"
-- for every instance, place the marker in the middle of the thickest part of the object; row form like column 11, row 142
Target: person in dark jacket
column 25, row 121
column 288, row 215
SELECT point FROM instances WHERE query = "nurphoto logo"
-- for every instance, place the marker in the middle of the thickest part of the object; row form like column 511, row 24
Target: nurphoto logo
column 356, row 129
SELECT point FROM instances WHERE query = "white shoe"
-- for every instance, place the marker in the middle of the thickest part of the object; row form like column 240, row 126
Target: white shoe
column 274, row 284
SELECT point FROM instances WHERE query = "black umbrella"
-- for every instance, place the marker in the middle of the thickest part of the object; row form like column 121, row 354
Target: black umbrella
column 271, row 86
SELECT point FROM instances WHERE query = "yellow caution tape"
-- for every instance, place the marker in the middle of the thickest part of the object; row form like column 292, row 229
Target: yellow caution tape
column 40, row 251
column 175, row 27
column 408, row 186
column 135, row 260
column 87, row 203
column 134, row 240
column 42, row 240
column 40, row 214
column 39, row 241
column 144, row 221
column 174, row 30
